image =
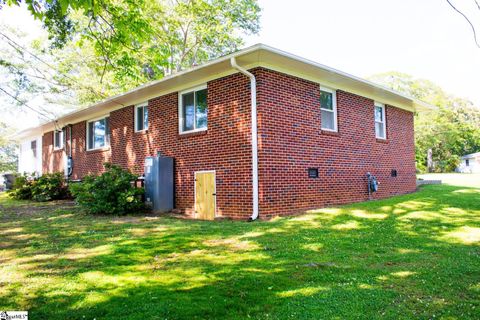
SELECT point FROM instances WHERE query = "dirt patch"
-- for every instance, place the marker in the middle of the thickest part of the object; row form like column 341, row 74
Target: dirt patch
column 33, row 209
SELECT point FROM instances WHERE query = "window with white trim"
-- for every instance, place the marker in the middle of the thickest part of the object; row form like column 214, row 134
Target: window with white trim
column 328, row 107
column 193, row 110
column 380, row 121
column 98, row 133
column 141, row 117
column 58, row 139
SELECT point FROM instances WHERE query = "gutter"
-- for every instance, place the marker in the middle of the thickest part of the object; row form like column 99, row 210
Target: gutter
column 261, row 55
column 69, row 163
column 253, row 95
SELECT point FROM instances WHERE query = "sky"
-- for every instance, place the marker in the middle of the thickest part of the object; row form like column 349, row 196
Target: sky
column 424, row 38
column 19, row 18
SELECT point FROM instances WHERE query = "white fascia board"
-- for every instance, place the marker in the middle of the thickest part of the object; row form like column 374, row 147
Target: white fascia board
column 315, row 72
column 471, row 155
column 258, row 55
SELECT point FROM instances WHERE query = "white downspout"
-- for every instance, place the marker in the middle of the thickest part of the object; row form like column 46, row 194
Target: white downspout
column 253, row 94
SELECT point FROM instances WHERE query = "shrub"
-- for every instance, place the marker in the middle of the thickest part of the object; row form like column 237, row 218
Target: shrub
column 109, row 193
column 50, row 186
column 450, row 164
column 421, row 167
column 22, row 187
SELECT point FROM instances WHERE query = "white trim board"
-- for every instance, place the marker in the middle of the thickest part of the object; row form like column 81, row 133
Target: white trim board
column 258, row 55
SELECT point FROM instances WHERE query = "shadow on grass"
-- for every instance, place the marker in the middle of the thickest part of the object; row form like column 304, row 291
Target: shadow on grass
column 412, row 256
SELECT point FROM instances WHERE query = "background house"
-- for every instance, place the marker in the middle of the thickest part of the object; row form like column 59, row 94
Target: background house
column 470, row 163
column 320, row 131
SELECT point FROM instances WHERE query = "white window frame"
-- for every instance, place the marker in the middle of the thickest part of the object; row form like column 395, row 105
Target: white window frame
column 140, row 105
column 55, row 140
column 107, row 142
column 384, row 123
column 180, row 113
column 334, row 104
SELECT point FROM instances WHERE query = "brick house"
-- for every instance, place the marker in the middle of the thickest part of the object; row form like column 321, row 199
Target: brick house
column 316, row 131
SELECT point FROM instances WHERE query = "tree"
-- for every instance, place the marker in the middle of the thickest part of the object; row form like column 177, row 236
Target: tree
column 8, row 150
column 44, row 82
column 451, row 131
column 141, row 40
column 95, row 49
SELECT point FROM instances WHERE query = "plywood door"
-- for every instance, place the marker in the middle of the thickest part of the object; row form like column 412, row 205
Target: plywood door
column 205, row 195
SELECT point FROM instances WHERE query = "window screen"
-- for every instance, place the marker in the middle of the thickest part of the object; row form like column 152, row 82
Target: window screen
column 328, row 110
column 141, row 118
column 194, row 110
column 98, row 133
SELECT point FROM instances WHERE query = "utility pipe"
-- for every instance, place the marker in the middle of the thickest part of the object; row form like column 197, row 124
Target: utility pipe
column 69, row 157
column 253, row 95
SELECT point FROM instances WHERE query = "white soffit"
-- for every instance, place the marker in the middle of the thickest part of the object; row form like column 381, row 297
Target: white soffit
column 257, row 55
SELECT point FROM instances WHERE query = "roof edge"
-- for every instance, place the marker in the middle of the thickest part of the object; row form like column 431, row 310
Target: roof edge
column 417, row 104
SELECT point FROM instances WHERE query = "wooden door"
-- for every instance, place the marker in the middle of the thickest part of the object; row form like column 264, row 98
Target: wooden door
column 205, row 195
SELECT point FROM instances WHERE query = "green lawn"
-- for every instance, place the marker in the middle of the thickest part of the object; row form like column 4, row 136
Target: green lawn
column 455, row 179
column 410, row 257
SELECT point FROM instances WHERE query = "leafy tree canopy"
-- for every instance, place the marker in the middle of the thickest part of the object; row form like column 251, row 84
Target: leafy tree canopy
column 141, row 40
column 451, row 131
column 8, row 151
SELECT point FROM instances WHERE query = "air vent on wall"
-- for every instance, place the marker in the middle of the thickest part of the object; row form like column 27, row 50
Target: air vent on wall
column 313, row 173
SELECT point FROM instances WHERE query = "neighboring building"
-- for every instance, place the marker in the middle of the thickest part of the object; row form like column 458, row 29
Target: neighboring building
column 30, row 153
column 320, row 131
column 470, row 163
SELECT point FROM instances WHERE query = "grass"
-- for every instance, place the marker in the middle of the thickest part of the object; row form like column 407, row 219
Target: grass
column 455, row 179
column 412, row 256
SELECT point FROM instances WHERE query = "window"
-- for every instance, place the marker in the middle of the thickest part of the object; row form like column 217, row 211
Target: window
column 141, row 117
column 58, row 139
column 33, row 146
column 467, row 162
column 380, row 128
column 193, row 110
column 98, row 133
column 328, row 107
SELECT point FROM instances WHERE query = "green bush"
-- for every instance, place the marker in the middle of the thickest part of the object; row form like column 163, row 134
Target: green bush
column 22, row 187
column 449, row 164
column 50, row 186
column 109, row 193
column 421, row 167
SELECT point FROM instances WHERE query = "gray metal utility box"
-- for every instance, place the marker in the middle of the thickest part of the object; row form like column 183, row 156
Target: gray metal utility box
column 159, row 183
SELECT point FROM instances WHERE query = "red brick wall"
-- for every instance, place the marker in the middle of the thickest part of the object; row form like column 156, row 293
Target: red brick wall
column 85, row 162
column 224, row 147
column 52, row 160
column 130, row 148
column 291, row 141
